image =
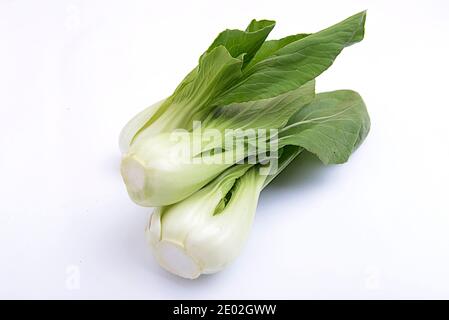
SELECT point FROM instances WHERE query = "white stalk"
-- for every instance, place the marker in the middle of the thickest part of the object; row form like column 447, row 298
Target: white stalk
column 191, row 238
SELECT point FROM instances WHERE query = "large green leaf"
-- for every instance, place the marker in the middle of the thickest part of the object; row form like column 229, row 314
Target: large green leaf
column 238, row 44
column 249, row 117
column 296, row 63
column 269, row 113
column 247, row 42
column 331, row 127
column 217, row 70
column 271, row 46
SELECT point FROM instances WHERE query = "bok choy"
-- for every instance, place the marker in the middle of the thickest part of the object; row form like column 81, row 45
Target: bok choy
column 240, row 81
column 203, row 155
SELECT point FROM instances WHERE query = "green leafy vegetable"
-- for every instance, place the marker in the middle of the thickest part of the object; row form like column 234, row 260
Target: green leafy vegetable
column 177, row 155
column 242, row 81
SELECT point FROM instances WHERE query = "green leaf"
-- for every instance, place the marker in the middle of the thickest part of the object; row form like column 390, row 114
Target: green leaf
column 331, row 127
column 217, row 70
column 271, row 46
column 269, row 113
column 296, row 63
column 238, row 44
column 247, row 42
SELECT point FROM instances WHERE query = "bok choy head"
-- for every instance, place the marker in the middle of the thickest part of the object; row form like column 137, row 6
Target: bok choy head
column 241, row 81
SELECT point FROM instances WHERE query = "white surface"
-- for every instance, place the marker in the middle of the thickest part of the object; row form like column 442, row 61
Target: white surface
column 73, row 72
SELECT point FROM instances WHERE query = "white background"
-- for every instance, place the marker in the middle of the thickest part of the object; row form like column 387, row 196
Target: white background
column 73, row 72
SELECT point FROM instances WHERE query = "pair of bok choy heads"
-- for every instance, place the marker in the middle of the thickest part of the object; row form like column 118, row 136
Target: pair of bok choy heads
column 203, row 155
